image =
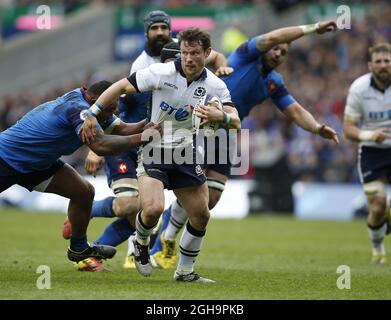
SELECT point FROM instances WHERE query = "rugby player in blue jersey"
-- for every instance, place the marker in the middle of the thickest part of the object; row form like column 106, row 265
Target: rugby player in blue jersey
column 121, row 173
column 31, row 148
column 253, row 81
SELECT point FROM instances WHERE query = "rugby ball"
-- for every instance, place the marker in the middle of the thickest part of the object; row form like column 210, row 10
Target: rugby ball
column 209, row 128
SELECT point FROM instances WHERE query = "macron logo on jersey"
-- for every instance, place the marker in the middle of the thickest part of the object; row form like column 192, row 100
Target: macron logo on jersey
column 180, row 114
column 170, row 85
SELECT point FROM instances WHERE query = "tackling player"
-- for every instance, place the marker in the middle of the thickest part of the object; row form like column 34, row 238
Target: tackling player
column 31, row 148
column 368, row 103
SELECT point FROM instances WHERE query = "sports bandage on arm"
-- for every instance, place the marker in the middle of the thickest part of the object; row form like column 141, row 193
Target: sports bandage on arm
column 227, row 119
column 95, row 109
column 309, row 28
column 366, row 135
column 317, row 128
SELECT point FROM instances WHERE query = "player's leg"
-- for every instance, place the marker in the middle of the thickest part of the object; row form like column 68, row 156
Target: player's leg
column 195, row 202
column 175, row 217
column 376, row 193
column 152, row 202
column 121, row 175
column 68, row 183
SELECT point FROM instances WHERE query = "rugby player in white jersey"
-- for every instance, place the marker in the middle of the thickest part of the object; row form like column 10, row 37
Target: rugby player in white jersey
column 121, row 169
column 176, row 88
column 369, row 104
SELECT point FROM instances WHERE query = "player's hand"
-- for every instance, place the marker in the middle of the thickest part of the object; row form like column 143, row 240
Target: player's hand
column 224, row 71
column 328, row 133
column 93, row 163
column 152, row 131
column 88, row 130
column 380, row 135
column 210, row 113
column 326, row 26
column 137, row 127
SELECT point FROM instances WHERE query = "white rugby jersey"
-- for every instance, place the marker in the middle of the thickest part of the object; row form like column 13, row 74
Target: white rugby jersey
column 143, row 61
column 370, row 106
column 172, row 98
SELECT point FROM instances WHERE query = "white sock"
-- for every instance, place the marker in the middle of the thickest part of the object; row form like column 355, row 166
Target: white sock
column 130, row 244
column 377, row 237
column 189, row 248
column 142, row 231
column 177, row 220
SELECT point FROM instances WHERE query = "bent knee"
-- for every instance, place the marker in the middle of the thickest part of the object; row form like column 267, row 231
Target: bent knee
column 214, row 197
column 378, row 206
column 153, row 210
column 87, row 191
column 126, row 206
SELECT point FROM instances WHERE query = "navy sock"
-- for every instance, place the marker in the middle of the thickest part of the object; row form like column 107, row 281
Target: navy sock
column 79, row 243
column 103, row 208
column 116, row 233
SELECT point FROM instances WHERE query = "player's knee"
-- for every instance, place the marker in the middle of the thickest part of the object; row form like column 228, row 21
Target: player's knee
column 378, row 206
column 153, row 210
column 216, row 188
column 84, row 192
column 200, row 221
column 126, row 206
column 214, row 197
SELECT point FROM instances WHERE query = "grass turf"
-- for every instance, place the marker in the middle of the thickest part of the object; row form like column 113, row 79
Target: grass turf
column 260, row 257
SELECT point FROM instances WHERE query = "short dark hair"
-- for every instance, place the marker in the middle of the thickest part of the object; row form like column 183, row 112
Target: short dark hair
column 96, row 89
column 380, row 47
column 200, row 36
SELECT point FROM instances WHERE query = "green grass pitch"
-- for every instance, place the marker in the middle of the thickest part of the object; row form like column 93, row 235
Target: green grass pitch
column 261, row 257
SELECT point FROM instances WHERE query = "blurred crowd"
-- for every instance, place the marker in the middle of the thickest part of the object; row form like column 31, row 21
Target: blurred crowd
column 318, row 73
column 70, row 5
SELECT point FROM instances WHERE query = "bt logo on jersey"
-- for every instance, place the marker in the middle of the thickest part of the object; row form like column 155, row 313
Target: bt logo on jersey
column 180, row 114
column 380, row 114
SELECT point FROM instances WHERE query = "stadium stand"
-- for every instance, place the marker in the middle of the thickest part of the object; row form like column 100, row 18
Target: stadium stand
column 315, row 74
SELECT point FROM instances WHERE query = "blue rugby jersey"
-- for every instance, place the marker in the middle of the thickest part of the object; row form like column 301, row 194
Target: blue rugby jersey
column 134, row 107
column 46, row 133
column 248, row 84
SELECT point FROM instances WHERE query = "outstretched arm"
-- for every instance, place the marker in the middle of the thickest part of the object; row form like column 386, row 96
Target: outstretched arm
column 217, row 61
column 305, row 120
column 120, row 87
column 105, row 144
column 126, row 129
column 286, row 35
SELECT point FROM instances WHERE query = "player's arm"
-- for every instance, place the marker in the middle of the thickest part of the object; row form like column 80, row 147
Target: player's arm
column 352, row 118
column 217, row 61
column 305, row 120
column 104, row 144
column 111, row 94
column 229, row 116
column 268, row 40
column 354, row 133
column 126, row 129
column 93, row 163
